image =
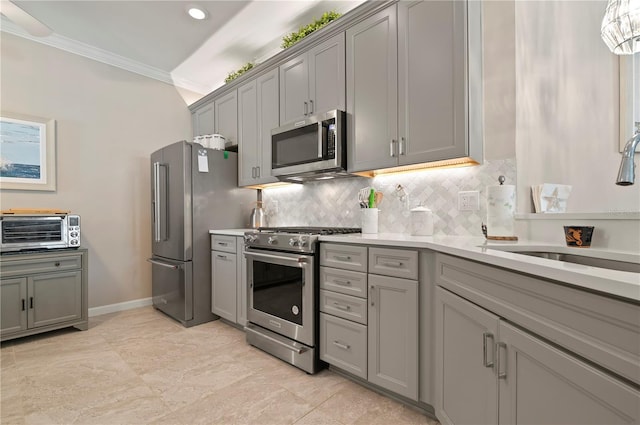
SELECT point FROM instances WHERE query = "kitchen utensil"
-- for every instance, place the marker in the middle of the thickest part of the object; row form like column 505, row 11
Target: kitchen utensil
column 363, row 195
column 372, row 198
column 379, row 197
column 257, row 217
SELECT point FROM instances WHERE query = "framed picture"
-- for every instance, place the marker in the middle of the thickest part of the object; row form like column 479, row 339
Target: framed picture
column 27, row 152
column 629, row 97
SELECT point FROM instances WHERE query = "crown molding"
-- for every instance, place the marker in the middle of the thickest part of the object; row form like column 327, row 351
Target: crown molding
column 91, row 52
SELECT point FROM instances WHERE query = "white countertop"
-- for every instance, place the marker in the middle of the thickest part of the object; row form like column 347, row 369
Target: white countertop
column 229, row 232
column 622, row 284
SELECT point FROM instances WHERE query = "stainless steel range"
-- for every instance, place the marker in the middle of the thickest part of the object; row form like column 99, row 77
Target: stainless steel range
column 282, row 274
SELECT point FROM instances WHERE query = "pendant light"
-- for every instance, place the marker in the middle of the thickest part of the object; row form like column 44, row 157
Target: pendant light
column 621, row 26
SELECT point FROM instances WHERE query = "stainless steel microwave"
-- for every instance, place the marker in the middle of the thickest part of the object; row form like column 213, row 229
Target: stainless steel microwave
column 310, row 149
column 20, row 232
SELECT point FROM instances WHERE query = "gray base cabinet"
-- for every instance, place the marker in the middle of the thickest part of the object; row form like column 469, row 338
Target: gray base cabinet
column 369, row 321
column 43, row 291
column 228, row 279
column 511, row 349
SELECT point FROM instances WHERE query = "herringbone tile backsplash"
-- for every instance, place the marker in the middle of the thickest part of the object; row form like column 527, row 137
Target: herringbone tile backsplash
column 335, row 202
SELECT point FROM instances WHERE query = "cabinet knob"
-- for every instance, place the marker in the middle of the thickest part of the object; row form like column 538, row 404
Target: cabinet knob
column 57, row 264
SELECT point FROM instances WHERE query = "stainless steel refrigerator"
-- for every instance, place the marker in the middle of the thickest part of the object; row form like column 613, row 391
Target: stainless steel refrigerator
column 193, row 190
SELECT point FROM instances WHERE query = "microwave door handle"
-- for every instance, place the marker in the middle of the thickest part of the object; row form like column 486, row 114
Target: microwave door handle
column 321, row 140
column 156, row 202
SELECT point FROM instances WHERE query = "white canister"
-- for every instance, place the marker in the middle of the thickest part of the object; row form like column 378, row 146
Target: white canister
column 369, row 220
column 421, row 221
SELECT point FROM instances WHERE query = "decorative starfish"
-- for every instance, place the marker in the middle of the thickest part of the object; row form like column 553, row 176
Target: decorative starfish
column 553, row 202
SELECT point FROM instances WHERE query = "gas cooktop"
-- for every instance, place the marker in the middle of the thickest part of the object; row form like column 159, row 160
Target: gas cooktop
column 291, row 239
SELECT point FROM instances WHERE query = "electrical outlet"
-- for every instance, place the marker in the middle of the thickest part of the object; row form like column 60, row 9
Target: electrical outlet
column 469, row 200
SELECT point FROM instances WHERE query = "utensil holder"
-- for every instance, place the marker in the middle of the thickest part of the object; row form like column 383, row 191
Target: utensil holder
column 369, row 220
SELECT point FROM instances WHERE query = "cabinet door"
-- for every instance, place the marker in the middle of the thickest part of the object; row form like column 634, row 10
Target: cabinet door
column 294, row 89
column 540, row 384
column 372, row 86
column 13, row 305
column 327, row 89
column 393, row 334
column 203, row 120
column 224, row 285
column 431, row 77
column 54, row 298
column 466, row 388
column 249, row 142
column 268, row 119
column 241, row 273
column 226, row 116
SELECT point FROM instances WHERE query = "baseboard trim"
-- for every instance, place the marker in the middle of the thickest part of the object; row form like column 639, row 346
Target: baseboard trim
column 113, row 308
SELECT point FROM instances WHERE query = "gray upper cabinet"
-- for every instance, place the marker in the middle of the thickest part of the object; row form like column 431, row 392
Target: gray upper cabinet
column 411, row 95
column 372, row 98
column 257, row 116
column 226, row 116
column 313, row 82
column 431, row 81
column 203, row 120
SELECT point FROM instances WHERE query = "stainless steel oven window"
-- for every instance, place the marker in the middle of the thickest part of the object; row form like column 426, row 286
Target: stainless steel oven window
column 281, row 294
column 296, row 146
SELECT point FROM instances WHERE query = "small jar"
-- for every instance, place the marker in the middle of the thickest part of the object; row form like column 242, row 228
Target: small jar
column 421, row 221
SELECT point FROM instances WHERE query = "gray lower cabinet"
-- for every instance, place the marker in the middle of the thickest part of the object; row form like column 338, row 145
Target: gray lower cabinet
column 228, row 279
column 257, row 115
column 511, row 349
column 393, row 334
column 43, row 291
column 369, row 322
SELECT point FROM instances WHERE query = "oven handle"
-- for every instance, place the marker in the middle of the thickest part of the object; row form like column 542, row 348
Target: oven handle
column 297, row 350
column 300, row 259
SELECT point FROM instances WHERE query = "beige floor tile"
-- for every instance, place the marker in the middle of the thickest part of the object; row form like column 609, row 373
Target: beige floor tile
column 141, row 367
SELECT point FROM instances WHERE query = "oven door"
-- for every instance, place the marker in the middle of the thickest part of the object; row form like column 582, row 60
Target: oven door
column 281, row 293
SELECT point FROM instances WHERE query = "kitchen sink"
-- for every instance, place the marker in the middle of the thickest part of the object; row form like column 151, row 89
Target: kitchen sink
column 584, row 260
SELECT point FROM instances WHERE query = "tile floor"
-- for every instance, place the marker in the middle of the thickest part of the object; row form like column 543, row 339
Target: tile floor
column 140, row 367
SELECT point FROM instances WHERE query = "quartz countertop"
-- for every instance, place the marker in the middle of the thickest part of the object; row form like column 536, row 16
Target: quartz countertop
column 229, row 232
column 612, row 282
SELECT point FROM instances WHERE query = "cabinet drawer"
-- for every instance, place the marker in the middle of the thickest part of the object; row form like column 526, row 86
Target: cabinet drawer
column 41, row 265
column 347, row 257
column 345, row 306
column 394, row 262
column 343, row 281
column 344, row 344
column 223, row 243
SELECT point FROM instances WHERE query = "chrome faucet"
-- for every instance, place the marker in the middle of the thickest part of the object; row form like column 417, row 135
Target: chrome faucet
column 626, row 174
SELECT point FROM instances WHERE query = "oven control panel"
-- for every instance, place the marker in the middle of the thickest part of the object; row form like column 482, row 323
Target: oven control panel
column 281, row 241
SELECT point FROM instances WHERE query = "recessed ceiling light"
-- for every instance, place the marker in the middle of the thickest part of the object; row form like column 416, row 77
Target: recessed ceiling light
column 197, row 12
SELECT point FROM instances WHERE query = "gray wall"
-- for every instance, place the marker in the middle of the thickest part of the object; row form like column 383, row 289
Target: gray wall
column 108, row 122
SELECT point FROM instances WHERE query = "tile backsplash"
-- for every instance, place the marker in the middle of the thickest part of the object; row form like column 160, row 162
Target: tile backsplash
column 335, row 202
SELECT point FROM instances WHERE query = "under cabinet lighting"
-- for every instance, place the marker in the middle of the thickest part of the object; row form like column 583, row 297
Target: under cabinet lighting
column 448, row 163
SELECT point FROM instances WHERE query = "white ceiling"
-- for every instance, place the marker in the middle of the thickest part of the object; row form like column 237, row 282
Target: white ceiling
column 158, row 38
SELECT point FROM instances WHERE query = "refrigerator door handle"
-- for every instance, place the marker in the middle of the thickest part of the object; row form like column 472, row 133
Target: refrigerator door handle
column 156, row 201
column 160, row 263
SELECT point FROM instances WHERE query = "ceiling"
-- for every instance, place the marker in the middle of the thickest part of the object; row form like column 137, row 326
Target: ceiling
column 159, row 39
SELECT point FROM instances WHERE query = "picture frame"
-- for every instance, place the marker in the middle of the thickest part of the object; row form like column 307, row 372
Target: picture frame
column 27, row 152
column 629, row 97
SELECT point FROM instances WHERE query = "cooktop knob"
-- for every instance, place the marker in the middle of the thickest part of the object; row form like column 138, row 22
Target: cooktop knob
column 293, row 242
column 273, row 240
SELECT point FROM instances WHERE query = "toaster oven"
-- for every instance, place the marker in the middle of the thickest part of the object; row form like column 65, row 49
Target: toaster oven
column 21, row 232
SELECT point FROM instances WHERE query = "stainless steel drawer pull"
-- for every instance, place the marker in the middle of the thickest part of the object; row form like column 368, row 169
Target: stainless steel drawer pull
column 342, row 306
column 224, row 257
column 223, row 243
column 342, row 282
column 24, row 306
column 502, row 361
column 485, row 337
column 341, row 345
column 372, row 291
column 342, row 258
column 393, row 264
